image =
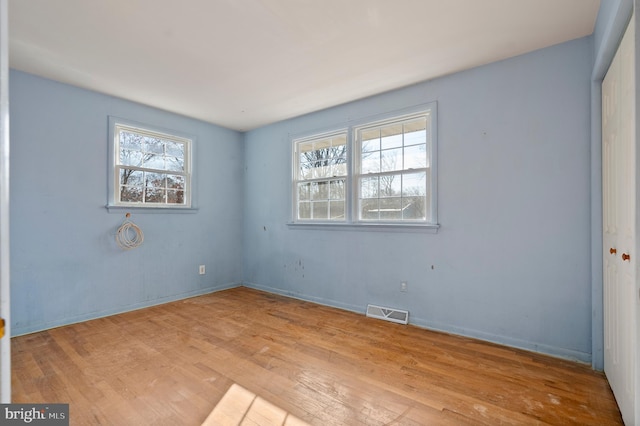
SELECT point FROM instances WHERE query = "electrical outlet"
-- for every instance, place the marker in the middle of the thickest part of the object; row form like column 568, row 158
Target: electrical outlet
column 202, row 270
column 403, row 286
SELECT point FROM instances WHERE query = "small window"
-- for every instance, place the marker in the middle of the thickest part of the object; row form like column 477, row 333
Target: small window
column 321, row 177
column 150, row 168
column 374, row 172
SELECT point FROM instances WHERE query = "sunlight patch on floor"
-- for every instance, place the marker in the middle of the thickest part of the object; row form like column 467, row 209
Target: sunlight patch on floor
column 240, row 407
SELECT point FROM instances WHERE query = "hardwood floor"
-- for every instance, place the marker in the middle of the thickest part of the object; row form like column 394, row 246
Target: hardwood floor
column 172, row 364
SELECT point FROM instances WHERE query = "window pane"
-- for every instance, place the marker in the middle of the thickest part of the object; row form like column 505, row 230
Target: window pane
column 322, row 169
column 304, row 191
column 369, row 209
column 390, row 185
column 130, row 158
column 391, row 208
column 306, row 171
column 415, row 157
column 338, row 167
column 174, row 149
column 321, row 191
column 336, row 210
column 337, row 190
column 370, row 140
column 415, row 208
column 369, row 187
column 175, row 164
column 323, row 157
column 175, row 196
column 391, row 136
column 315, row 191
column 154, row 195
column 414, row 184
column 415, row 132
column 130, row 141
column 153, row 145
column 131, row 177
column 156, row 180
column 131, row 194
column 391, row 160
column 175, row 182
column 320, row 210
column 154, row 161
column 370, row 162
column 304, row 210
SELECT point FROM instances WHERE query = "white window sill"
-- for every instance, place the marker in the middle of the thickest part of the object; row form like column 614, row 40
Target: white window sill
column 383, row 227
column 138, row 209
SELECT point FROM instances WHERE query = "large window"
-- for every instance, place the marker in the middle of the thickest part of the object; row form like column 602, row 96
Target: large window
column 150, row 168
column 375, row 172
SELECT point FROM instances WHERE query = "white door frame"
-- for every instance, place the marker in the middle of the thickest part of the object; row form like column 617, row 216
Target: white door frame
column 5, row 341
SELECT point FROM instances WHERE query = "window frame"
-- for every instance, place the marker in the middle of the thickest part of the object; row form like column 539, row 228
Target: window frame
column 352, row 201
column 358, row 172
column 114, row 203
column 297, row 179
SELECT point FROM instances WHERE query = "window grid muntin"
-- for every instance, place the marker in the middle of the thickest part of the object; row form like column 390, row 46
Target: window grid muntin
column 182, row 196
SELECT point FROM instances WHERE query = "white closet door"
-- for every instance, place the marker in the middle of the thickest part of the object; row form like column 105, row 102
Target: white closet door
column 619, row 227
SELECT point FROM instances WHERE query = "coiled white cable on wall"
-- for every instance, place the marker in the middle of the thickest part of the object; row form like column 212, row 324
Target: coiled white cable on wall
column 129, row 235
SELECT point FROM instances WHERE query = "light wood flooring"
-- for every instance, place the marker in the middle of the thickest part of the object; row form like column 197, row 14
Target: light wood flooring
column 173, row 364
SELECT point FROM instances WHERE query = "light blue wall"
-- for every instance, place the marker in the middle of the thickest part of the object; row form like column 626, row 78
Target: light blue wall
column 613, row 17
column 511, row 261
column 65, row 264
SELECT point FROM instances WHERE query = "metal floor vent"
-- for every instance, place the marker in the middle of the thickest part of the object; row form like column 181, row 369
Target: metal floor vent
column 388, row 314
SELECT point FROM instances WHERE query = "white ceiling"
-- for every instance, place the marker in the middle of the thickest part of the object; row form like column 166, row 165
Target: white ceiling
column 246, row 63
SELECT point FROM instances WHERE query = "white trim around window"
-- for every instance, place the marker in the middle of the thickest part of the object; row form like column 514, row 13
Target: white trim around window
column 321, row 171
column 377, row 173
column 150, row 168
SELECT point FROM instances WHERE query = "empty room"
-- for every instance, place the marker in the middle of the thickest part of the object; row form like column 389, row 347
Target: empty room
column 290, row 212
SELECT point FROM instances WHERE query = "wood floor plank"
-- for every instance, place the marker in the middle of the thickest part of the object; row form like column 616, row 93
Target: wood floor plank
column 305, row 363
